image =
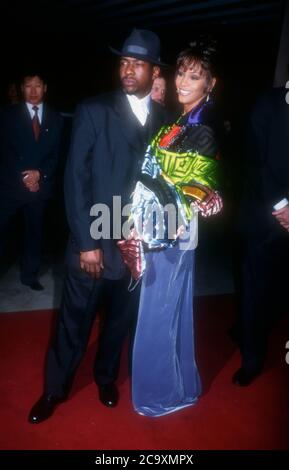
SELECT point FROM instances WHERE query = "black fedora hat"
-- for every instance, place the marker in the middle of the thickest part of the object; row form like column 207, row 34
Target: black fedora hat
column 141, row 44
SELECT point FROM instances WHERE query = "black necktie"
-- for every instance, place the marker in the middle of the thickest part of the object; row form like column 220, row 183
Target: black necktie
column 36, row 123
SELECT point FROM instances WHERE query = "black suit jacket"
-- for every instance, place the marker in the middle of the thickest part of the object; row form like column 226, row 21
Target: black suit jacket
column 106, row 153
column 267, row 164
column 19, row 151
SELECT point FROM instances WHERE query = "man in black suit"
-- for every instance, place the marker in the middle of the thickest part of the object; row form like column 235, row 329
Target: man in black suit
column 29, row 140
column 109, row 139
column 264, row 223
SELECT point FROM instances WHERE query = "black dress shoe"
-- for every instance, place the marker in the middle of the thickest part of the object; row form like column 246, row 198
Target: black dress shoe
column 108, row 394
column 35, row 285
column 244, row 378
column 43, row 408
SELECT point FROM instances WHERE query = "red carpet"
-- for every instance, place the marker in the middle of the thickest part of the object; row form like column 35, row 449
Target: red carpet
column 226, row 417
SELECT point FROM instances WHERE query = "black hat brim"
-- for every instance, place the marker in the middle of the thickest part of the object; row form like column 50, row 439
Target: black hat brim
column 145, row 58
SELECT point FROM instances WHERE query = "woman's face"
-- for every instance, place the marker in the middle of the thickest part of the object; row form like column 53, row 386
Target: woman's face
column 192, row 85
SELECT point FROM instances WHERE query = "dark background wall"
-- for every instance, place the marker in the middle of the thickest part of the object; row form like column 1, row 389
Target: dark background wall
column 69, row 40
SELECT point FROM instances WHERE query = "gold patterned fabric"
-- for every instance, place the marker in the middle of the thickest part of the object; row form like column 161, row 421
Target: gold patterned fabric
column 189, row 172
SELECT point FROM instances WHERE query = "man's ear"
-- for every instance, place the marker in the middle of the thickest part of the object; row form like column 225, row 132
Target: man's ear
column 156, row 72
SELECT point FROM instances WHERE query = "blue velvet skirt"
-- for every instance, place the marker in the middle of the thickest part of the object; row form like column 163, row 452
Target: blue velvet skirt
column 164, row 375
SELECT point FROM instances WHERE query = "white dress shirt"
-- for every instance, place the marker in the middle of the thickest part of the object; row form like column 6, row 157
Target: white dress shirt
column 32, row 112
column 140, row 107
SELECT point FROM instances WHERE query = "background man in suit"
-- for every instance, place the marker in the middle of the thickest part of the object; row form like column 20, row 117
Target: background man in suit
column 264, row 223
column 109, row 138
column 30, row 136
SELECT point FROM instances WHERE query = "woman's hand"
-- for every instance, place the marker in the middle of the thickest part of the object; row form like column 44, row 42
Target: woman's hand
column 211, row 205
column 133, row 235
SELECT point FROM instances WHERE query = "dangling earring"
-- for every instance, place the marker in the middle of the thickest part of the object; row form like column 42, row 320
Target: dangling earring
column 208, row 96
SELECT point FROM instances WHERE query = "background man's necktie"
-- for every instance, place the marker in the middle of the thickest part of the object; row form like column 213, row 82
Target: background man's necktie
column 36, row 123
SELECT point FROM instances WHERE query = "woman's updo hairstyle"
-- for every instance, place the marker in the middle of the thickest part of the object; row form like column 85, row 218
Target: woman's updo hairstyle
column 202, row 52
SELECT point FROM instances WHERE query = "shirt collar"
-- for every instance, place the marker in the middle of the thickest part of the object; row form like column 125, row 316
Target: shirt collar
column 140, row 107
column 31, row 111
column 144, row 102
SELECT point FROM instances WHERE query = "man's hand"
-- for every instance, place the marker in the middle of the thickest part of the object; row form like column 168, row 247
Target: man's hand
column 34, row 188
column 92, row 262
column 282, row 215
column 31, row 180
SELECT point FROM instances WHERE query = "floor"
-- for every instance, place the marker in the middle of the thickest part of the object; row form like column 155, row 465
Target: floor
column 225, row 416
column 213, row 274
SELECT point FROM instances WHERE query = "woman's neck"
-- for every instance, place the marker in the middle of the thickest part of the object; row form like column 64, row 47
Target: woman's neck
column 190, row 106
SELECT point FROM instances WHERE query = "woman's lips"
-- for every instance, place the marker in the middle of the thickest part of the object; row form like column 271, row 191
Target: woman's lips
column 183, row 92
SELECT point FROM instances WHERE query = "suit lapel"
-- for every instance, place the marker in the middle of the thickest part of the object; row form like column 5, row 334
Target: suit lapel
column 155, row 120
column 45, row 118
column 129, row 125
column 128, row 122
column 281, row 124
column 27, row 123
column 44, row 124
column 286, row 130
